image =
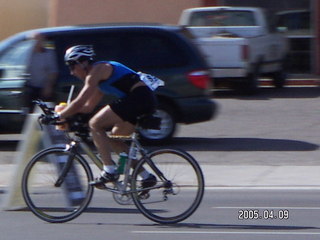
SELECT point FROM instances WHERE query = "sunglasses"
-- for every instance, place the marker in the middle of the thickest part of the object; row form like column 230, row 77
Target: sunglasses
column 72, row 64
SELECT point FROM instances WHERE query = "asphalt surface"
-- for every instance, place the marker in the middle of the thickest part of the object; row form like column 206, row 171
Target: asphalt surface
column 261, row 152
column 255, row 157
column 243, row 170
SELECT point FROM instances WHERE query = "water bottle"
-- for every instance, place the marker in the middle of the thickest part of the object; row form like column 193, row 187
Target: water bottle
column 122, row 162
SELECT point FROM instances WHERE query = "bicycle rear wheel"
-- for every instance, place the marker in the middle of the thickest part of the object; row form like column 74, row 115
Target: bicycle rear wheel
column 179, row 188
column 53, row 200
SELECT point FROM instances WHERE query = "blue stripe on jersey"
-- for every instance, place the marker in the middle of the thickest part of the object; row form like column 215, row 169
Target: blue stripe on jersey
column 119, row 70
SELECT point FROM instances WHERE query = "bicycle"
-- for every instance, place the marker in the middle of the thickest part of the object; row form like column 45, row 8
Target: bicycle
column 55, row 183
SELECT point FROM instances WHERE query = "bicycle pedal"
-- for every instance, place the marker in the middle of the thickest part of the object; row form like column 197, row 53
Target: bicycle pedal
column 100, row 186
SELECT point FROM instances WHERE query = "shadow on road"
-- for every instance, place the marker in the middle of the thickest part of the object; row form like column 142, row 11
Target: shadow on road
column 113, row 210
column 232, row 226
column 204, row 226
column 219, row 144
column 241, row 144
column 98, row 210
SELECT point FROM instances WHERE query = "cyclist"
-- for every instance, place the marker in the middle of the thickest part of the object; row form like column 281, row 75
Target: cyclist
column 135, row 98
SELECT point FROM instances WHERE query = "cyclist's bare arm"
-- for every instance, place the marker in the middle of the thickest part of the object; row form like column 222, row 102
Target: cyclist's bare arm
column 90, row 95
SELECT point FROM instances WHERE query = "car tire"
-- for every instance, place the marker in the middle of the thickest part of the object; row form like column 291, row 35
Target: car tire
column 252, row 84
column 280, row 77
column 167, row 127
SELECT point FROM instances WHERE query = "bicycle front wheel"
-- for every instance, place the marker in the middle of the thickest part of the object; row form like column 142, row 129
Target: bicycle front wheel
column 55, row 185
column 178, row 190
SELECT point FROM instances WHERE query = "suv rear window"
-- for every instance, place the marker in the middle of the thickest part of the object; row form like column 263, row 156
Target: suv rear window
column 139, row 50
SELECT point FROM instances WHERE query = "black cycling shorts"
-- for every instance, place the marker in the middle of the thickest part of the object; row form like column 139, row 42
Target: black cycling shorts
column 140, row 101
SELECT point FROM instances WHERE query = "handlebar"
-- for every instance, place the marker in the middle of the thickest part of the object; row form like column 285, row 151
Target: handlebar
column 49, row 116
column 44, row 107
column 77, row 123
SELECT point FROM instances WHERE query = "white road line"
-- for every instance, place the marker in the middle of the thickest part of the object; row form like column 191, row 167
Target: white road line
column 219, row 232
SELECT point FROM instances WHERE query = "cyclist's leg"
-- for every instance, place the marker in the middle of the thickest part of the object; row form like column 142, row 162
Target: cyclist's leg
column 121, row 115
column 104, row 119
column 122, row 129
column 98, row 124
column 119, row 146
column 107, row 118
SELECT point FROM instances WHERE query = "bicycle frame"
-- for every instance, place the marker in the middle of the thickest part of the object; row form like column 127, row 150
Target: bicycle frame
column 122, row 187
column 135, row 147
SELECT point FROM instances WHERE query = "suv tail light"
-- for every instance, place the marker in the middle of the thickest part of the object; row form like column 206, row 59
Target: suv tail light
column 199, row 78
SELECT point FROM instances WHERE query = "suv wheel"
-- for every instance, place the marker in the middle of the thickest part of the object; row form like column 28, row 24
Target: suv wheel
column 167, row 127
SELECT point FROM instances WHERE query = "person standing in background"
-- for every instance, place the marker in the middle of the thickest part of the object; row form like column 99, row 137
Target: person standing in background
column 43, row 71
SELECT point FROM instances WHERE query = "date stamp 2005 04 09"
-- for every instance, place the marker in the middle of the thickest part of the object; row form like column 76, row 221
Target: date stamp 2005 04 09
column 266, row 214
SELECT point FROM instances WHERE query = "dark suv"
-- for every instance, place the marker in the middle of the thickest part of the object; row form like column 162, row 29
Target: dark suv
column 164, row 51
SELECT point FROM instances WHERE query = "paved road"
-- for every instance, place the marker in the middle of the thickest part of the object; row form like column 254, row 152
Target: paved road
column 271, row 139
column 259, row 150
column 219, row 217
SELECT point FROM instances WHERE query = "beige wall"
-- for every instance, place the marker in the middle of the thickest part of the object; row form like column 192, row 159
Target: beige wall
column 20, row 15
column 68, row 12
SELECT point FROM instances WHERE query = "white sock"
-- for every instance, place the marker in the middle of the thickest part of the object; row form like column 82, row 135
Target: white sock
column 109, row 168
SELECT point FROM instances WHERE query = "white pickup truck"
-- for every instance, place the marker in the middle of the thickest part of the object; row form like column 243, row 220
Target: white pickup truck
column 240, row 44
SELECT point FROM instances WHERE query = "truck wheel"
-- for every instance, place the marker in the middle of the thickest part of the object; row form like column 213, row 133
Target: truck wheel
column 279, row 79
column 252, row 81
column 167, row 127
column 252, row 84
